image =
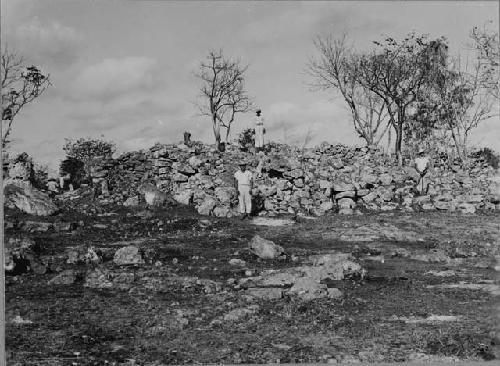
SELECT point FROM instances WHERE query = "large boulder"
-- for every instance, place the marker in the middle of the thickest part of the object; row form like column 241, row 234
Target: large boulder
column 23, row 196
column 264, row 248
column 152, row 195
column 225, row 194
column 207, row 205
column 184, row 197
column 128, row 255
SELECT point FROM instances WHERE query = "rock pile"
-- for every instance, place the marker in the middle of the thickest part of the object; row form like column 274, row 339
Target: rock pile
column 292, row 180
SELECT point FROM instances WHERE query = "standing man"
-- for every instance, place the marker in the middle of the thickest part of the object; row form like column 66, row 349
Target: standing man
column 243, row 182
column 259, row 131
column 422, row 163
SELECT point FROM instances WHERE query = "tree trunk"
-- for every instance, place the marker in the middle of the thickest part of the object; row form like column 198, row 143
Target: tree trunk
column 216, row 128
column 227, row 134
column 399, row 136
column 399, row 143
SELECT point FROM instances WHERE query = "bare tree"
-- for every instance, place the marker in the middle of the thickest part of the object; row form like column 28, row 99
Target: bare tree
column 222, row 92
column 338, row 68
column 487, row 45
column 21, row 85
column 398, row 72
column 464, row 102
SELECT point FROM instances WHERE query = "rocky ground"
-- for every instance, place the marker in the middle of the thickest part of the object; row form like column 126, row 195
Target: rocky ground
column 132, row 285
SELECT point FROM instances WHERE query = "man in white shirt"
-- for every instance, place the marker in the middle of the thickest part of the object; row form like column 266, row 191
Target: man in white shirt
column 259, row 131
column 422, row 163
column 243, row 181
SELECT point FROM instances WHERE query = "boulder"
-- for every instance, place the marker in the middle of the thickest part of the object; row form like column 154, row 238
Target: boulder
column 194, row 162
column 185, row 169
column 131, row 201
column 207, row 205
column 152, row 195
column 184, row 197
column 385, row 179
column 343, row 187
column 467, row 208
column 66, row 277
column 346, row 211
column 264, row 248
column 98, row 278
column 326, row 206
column 367, row 180
column 128, row 255
column 346, row 203
column 308, row 289
column 28, row 199
column 221, row 211
column 324, row 184
column 345, row 194
column 179, row 177
column 225, row 194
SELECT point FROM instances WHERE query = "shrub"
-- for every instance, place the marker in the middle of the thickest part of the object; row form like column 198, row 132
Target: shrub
column 489, row 156
column 246, row 139
column 75, row 168
column 89, row 151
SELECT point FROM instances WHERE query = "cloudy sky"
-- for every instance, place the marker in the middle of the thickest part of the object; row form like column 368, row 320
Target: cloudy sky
column 124, row 69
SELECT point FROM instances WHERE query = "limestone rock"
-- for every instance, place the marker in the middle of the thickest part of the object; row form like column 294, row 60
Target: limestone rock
column 98, row 278
column 308, row 288
column 343, row 187
column 467, row 208
column 153, row 196
column 346, row 203
column 326, row 206
column 184, row 197
column 67, row 277
column 225, row 194
column 207, row 205
column 264, row 248
column 128, row 255
column 28, row 199
column 131, row 201
column 324, row 184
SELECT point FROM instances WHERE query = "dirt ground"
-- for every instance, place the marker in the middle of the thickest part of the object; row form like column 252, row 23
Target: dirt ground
column 430, row 292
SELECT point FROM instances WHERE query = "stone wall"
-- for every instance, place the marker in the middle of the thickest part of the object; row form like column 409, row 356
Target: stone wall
column 291, row 180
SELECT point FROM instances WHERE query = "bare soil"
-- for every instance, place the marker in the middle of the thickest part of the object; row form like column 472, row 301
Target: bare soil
column 399, row 312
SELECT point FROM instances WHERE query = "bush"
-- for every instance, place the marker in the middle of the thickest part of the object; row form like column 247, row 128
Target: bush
column 39, row 176
column 75, row 168
column 89, row 151
column 246, row 139
column 489, row 156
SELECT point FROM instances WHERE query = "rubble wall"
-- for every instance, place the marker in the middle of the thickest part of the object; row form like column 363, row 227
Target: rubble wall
column 326, row 178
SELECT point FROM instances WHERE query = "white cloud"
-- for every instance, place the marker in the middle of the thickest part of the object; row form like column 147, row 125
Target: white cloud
column 113, row 77
column 50, row 43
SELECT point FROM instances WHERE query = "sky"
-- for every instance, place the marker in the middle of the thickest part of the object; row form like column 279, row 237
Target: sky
column 125, row 70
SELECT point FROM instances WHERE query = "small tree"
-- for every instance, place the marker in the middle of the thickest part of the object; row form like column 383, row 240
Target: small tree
column 21, row 85
column 89, row 151
column 222, row 91
column 338, row 68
